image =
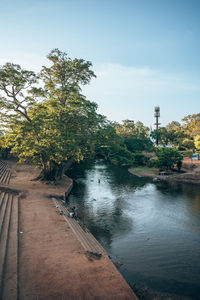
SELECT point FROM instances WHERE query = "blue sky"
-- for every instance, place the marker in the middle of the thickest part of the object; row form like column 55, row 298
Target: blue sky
column 145, row 53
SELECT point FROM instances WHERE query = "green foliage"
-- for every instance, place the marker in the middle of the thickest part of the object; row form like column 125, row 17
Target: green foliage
column 16, row 84
column 65, row 76
column 151, row 163
column 197, row 142
column 187, row 144
column 130, row 128
column 188, row 153
column 139, row 159
column 4, row 147
column 122, row 144
column 110, row 145
column 192, row 125
column 122, row 157
column 167, row 157
column 169, row 135
column 181, row 137
column 134, row 144
column 54, row 124
column 135, row 137
column 162, row 135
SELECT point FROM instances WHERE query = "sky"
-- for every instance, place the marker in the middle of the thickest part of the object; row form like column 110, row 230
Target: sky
column 145, row 53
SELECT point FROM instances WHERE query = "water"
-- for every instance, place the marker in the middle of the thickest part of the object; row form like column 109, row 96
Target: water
column 152, row 228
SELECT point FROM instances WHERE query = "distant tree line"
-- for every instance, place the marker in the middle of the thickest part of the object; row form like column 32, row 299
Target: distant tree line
column 47, row 121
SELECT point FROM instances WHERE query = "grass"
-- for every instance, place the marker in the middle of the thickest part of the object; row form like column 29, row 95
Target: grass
column 145, row 170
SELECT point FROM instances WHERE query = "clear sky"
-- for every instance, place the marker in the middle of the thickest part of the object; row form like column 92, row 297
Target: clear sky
column 144, row 52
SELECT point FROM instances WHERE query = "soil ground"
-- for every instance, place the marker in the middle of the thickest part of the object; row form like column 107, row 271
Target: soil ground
column 52, row 263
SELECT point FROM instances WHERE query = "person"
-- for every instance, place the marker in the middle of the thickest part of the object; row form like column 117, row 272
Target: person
column 99, row 181
column 76, row 212
column 71, row 214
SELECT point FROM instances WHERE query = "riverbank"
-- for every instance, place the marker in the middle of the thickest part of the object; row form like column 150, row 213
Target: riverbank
column 190, row 174
column 52, row 262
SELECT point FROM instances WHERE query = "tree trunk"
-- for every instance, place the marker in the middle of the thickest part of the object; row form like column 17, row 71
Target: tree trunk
column 64, row 167
column 53, row 171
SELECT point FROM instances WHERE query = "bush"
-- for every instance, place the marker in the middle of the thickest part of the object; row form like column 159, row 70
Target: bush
column 135, row 144
column 187, row 153
column 139, row 159
column 167, row 157
column 187, row 144
column 152, row 163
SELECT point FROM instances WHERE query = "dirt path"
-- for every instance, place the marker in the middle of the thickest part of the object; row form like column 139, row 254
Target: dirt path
column 52, row 262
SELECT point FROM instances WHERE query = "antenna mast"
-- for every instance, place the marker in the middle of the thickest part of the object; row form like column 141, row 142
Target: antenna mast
column 157, row 115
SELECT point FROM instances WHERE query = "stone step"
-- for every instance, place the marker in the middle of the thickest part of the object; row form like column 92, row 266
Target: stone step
column 2, row 174
column 3, row 164
column 4, row 239
column 97, row 245
column 4, row 203
column 9, row 177
column 87, row 240
column 92, row 246
column 6, row 177
column 2, row 195
column 3, row 167
column 79, row 232
column 10, row 278
column 73, row 226
column 84, row 242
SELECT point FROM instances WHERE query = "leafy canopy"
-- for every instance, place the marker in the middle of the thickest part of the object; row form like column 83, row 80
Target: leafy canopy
column 52, row 124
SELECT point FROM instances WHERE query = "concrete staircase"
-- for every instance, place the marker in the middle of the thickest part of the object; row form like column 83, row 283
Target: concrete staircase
column 8, row 246
column 87, row 240
column 5, row 173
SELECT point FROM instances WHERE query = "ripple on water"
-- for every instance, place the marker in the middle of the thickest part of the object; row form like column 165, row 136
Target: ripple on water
column 152, row 228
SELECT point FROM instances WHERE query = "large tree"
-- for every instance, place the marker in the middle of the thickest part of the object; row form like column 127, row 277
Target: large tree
column 53, row 124
column 135, row 135
column 130, row 128
column 191, row 125
column 173, row 134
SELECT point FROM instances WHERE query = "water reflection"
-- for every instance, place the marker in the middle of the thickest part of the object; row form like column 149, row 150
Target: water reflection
column 152, row 228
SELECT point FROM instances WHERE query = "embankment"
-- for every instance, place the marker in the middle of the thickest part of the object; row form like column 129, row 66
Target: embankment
column 52, row 262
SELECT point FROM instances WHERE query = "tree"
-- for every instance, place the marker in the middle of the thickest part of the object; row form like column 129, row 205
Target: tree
column 187, row 144
column 16, row 85
column 173, row 134
column 135, row 135
column 53, row 125
column 192, row 125
column 111, row 146
column 161, row 135
column 197, row 142
column 130, row 128
column 4, row 149
column 63, row 79
column 168, row 157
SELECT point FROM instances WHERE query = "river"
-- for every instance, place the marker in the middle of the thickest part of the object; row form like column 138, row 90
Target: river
column 151, row 228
